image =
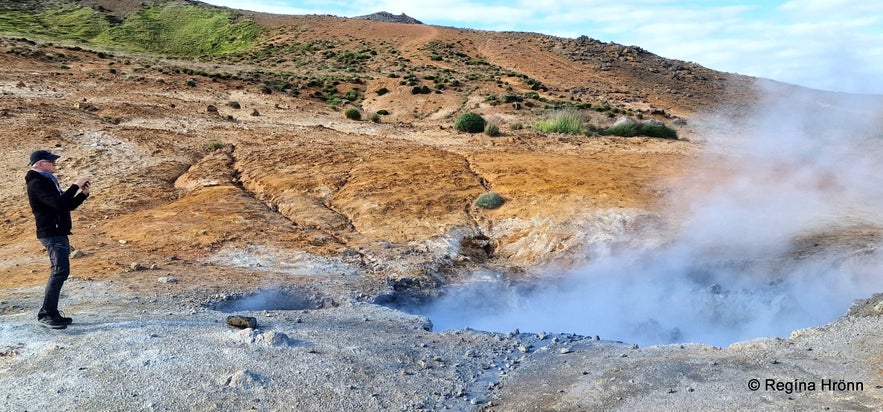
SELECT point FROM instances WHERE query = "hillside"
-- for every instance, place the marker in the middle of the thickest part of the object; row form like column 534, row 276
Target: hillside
column 223, row 160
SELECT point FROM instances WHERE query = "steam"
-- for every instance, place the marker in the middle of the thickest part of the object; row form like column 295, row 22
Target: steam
column 777, row 229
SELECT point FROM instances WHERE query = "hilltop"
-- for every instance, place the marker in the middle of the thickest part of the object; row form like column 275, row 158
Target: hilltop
column 225, row 164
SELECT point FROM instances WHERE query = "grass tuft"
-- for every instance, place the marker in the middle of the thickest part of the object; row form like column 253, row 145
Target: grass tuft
column 562, row 121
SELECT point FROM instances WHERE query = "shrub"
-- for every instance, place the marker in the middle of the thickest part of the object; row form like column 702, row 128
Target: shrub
column 624, row 130
column 383, row 112
column 490, row 200
column 658, row 130
column 353, row 114
column 603, row 107
column 563, row 121
column 352, row 95
column 422, row 89
column 375, row 118
column 214, row 145
column 234, row 105
column 381, row 91
column 470, row 122
column 492, row 129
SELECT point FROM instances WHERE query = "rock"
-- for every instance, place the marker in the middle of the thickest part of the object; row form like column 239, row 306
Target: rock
column 268, row 338
column 242, row 322
column 89, row 107
column 243, row 379
column 77, row 254
column 137, row 266
column 167, row 279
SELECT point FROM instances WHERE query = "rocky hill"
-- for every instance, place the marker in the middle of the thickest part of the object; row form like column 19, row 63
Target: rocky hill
column 226, row 160
column 388, row 17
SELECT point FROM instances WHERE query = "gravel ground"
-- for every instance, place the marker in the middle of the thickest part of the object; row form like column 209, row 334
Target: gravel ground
column 128, row 352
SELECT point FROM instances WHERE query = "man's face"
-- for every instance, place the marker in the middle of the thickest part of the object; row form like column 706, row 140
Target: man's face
column 45, row 165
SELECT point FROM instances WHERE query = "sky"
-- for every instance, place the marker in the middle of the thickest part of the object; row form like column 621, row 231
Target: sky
column 834, row 45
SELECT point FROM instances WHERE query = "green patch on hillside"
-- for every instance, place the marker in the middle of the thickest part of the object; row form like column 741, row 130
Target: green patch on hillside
column 183, row 30
column 168, row 28
column 64, row 22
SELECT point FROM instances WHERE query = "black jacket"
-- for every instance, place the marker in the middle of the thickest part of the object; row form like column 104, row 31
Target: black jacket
column 52, row 210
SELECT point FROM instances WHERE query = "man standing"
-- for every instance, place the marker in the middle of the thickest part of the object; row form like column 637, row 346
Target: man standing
column 52, row 211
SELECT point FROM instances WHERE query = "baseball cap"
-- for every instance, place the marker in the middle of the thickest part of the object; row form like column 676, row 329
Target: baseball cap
column 39, row 155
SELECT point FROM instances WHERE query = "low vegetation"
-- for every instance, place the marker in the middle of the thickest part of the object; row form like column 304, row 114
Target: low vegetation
column 490, row 200
column 658, row 130
column 470, row 123
column 492, row 129
column 562, row 121
column 649, row 128
column 165, row 28
column 353, row 114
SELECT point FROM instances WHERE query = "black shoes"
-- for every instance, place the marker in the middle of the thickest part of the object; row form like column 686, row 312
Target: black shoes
column 52, row 322
column 64, row 319
column 59, row 321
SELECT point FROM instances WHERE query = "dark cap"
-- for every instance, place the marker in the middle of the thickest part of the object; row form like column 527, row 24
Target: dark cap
column 39, row 155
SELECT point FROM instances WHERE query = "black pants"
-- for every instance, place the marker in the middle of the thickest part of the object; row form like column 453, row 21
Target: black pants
column 59, row 255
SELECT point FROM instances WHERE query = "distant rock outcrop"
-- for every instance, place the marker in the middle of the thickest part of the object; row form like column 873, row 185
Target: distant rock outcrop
column 390, row 18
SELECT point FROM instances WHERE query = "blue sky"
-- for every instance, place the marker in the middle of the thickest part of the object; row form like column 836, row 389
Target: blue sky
column 824, row 44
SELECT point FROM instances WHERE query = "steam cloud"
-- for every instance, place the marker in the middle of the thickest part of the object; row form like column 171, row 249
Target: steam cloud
column 777, row 229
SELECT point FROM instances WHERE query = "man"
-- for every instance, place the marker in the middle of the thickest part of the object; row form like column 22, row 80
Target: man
column 52, row 211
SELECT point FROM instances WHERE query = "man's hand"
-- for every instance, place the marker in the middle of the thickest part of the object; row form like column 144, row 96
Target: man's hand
column 84, row 183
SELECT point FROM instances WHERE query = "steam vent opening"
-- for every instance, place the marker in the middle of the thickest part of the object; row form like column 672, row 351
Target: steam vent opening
column 775, row 227
column 270, row 299
column 679, row 293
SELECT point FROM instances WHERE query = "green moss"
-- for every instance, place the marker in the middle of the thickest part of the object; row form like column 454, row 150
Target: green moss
column 183, row 30
column 68, row 22
column 169, row 28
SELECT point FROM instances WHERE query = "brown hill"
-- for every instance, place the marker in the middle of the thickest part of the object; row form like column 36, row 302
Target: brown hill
column 373, row 192
column 192, row 157
column 392, row 196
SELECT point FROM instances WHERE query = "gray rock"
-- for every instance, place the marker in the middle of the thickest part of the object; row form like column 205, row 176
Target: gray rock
column 243, row 379
column 242, row 322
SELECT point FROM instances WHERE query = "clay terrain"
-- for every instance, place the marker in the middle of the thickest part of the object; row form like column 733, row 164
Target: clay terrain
column 208, row 189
